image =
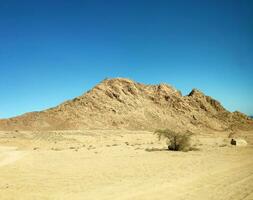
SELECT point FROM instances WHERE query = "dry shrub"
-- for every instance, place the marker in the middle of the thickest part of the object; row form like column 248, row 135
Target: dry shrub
column 177, row 141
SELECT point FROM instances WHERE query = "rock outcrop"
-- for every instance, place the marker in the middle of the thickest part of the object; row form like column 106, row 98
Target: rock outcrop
column 124, row 104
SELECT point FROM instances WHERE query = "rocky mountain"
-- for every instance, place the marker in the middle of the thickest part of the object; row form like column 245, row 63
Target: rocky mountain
column 124, row 104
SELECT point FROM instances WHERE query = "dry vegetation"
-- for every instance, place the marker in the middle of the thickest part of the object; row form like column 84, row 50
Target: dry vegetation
column 177, row 141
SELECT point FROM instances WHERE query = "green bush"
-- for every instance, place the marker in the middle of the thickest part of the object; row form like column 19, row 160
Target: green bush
column 177, row 141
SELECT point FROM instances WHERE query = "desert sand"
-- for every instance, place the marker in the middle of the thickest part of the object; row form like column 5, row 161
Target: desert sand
column 121, row 164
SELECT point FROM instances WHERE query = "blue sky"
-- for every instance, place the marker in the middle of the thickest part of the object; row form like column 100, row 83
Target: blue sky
column 51, row 51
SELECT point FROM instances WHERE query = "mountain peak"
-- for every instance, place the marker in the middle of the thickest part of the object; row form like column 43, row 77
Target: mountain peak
column 117, row 80
column 196, row 93
column 123, row 103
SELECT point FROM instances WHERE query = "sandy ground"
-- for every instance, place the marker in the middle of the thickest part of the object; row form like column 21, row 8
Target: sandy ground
column 125, row 165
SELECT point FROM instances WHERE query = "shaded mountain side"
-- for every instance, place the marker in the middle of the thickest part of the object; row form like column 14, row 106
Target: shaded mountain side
column 122, row 103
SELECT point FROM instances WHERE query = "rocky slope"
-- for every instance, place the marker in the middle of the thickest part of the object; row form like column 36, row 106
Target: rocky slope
column 122, row 103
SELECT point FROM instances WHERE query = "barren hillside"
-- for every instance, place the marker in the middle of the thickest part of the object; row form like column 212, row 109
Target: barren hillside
column 124, row 104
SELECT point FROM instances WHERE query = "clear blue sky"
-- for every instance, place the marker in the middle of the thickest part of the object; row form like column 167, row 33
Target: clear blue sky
column 51, row 51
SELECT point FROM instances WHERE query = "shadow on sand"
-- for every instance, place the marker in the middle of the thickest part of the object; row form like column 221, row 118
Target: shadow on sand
column 156, row 149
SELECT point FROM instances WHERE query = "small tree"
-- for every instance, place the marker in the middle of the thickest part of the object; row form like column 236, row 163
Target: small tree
column 177, row 141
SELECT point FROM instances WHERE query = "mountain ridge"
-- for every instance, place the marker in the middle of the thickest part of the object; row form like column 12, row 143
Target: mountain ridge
column 121, row 103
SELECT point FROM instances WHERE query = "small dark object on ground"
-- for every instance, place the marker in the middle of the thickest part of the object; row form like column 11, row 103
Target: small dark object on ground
column 233, row 142
column 174, row 147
